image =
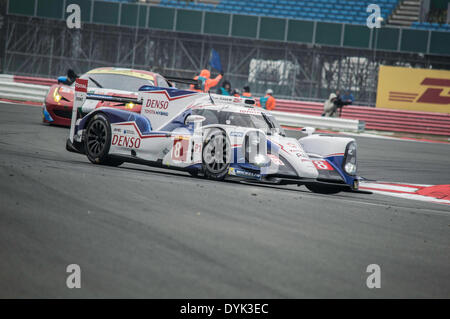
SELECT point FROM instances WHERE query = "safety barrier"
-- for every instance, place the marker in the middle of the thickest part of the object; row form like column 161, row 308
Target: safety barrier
column 32, row 80
column 24, row 88
column 21, row 91
column 379, row 119
column 27, row 79
column 302, row 120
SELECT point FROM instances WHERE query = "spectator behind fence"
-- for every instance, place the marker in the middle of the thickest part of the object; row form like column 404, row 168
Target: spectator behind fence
column 246, row 92
column 348, row 98
column 330, row 107
column 205, row 82
column 268, row 101
column 225, row 89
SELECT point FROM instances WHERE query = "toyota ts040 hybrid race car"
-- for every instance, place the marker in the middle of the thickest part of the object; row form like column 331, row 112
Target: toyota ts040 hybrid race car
column 118, row 82
column 213, row 136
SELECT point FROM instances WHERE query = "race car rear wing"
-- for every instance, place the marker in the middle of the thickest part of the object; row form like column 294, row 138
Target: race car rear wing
column 249, row 102
column 181, row 80
column 109, row 98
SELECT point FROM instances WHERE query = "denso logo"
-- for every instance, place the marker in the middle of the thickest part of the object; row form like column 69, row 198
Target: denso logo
column 156, row 104
column 125, row 141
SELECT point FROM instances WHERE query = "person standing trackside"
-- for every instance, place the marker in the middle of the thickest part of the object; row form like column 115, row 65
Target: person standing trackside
column 206, row 83
column 246, row 92
column 268, row 101
column 329, row 107
column 225, row 89
column 236, row 93
column 348, row 98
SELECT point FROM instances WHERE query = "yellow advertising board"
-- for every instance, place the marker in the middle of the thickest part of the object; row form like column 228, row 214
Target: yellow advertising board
column 413, row 89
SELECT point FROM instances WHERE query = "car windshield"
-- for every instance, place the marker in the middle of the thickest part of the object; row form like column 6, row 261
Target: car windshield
column 265, row 123
column 274, row 123
column 115, row 81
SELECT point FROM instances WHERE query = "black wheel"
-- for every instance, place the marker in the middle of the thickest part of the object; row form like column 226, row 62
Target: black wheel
column 98, row 141
column 216, row 155
column 324, row 189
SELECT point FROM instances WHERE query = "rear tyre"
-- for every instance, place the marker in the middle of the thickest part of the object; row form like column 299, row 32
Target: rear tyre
column 324, row 189
column 216, row 155
column 98, row 141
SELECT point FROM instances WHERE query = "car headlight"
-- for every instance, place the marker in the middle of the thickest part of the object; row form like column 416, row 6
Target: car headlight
column 255, row 146
column 350, row 168
column 350, row 165
column 56, row 96
column 260, row 160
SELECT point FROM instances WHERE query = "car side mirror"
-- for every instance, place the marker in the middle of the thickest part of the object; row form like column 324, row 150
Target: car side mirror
column 196, row 119
column 308, row 130
column 274, row 131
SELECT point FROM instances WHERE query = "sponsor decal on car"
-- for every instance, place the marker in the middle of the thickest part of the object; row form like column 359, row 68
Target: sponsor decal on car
column 81, row 85
column 161, row 113
column 197, row 148
column 157, row 104
column 129, row 132
column 125, row 141
column 80, row 92
column 243, row 173
column 323, row 165
column 237, row 134
column 250, row 111
column 156, row 107
column 179, row 149
column 276, row 160
column 294, row 148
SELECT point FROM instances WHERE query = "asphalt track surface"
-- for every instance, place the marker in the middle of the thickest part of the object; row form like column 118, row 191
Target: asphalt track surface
column 138, row 231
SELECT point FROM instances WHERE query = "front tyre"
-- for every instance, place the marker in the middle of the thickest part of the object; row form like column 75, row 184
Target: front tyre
column 98, row 141
column 324, row 189
column 216, row 155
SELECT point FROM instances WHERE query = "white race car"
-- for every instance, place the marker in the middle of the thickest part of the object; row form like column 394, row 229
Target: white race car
column 213, row 136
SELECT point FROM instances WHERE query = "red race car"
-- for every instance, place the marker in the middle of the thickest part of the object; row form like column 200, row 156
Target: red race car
column 117, row 82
